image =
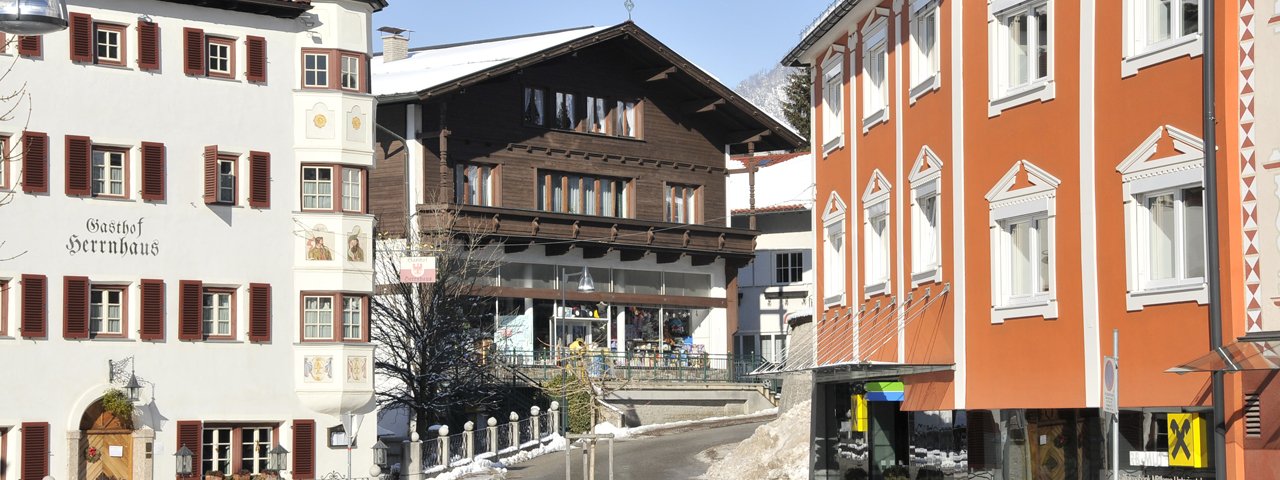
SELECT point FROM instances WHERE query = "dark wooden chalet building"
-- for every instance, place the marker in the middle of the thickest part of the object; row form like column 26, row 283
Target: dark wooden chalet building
column 590, row 147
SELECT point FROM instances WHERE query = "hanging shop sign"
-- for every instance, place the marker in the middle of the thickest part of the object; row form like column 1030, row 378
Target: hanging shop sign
column 885, row 391
column 1187, row 441
column 418, row 269
column 122, row 238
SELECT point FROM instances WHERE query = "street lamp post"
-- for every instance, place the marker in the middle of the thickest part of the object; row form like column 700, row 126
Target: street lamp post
column 585, row 285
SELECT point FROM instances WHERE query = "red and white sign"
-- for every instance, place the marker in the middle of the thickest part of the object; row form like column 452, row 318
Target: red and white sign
column 418, row 269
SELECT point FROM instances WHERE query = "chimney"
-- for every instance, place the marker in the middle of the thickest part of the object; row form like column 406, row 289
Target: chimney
column 395, row 44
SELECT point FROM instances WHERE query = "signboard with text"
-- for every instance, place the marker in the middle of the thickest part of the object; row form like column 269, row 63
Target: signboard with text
column 418, row 269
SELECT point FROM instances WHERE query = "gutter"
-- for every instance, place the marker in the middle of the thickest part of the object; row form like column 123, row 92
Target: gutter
column 1212, row 240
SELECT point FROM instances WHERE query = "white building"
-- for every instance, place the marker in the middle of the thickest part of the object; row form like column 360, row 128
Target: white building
column 778, row 284
column 186, row 203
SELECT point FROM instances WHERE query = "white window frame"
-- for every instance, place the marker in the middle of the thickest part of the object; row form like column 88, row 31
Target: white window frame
column 313, row 317
column 1139, row 53
column 348, row 301
column 260, row 447
column 352, row 190
column 1003, row 95
column 875, row 49
column 835, row 248
column 833, row 103
column 210, row 318
column 321, row 74
column 102, row 39
column 925, row 181
column 221, row 436
column 319, row 197
column 1143, row 175
column 106, row 176
column 877, row 250
column 99, row 296
column 226, row 186
column 219, row 56
column 1012, row 205
column 350, row 73
column 925, row 69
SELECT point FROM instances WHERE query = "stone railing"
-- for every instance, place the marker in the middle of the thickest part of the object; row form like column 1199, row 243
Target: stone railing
column 493, row 441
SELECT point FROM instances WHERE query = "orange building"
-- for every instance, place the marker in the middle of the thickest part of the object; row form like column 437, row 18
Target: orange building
column 1001, row 186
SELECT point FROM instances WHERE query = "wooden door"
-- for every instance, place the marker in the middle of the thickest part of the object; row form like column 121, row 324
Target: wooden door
column 115, row 461
column 1048, row 459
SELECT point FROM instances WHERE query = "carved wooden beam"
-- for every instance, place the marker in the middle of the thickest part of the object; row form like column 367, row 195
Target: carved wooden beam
column 701, row 105
column 745, row 136
column 657, row 74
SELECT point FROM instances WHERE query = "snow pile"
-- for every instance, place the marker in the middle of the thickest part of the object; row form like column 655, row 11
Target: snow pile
column 557, row 444
column 778, row 450
column 476, row 467
column 620, row 433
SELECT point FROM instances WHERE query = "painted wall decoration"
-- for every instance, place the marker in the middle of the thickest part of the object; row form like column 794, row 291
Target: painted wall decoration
column 113, row 237
column 319, row 244
column 355, row 124
column 319, row 121
column 356, row 242
column 317, row 369
column 357, row 369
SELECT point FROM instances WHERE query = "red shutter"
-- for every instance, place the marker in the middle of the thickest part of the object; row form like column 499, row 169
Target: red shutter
column 193, row 51
column 190, row 308
column 211, row 174
column 35, row 450
column 35, row 162
column 81, row 26
column 190, row 435
column 256, row 67
column 79, row 156
column 34, row 309
column 304, row 449
column 30, row 46
column 259, row 179
column 152, row 318
column 75, row 307
column 259, row 312
column 148, row 46
column 153, row 178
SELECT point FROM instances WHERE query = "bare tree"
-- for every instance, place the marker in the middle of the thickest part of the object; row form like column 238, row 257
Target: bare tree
column 12, row 102
column 432, row 356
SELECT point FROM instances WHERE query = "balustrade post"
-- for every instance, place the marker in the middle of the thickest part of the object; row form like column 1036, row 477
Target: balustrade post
column 555, row 417
column 533, row 423
column 411, row 452
column 492, row 432
column 514, row 425
column 469, row 438
column 443, row 438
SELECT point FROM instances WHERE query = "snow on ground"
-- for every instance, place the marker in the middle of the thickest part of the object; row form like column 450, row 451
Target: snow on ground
column 778, row 450
column 483, row 466
column 620, row 433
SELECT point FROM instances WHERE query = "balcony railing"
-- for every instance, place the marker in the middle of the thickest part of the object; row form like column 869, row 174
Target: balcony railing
column 544, row 365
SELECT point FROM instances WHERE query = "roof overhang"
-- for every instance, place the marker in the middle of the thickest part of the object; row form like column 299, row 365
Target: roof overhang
column 823, row 25
column 274, row 8
column 1251, row 352
column 768, row 126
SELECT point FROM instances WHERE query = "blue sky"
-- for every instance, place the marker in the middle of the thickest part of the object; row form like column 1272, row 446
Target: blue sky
column 731, row 39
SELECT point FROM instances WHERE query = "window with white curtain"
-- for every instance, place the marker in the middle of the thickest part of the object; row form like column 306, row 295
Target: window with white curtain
column 1023, row 246
column 583, row 194
column 876, row 247
column 875, row 67
column 834, row 253
column 1022, row 52
column 926, row 244
column 1160, row 30
column 924, row 46
column 474, row 184
column 832, row 103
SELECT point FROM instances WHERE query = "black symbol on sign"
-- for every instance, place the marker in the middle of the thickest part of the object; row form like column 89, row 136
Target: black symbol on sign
column 1179, row 435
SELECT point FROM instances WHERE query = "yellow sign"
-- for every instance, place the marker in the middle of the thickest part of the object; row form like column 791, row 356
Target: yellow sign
column 1187, row 442
column 859, row 403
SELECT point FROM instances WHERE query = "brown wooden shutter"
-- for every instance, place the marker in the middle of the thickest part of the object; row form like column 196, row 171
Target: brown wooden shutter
column 259, row 179
column 75, row 307
column 211, row 174
column 256, row 67
column 34, row 308
column 259, row 312
column 79, row 158
column 81, row 26
column 148, row 46
column 193, row 51
column 35, row 450
column 304, row 449
column 152, row 318
column 35, row 162
column 153, row 175
column 190, row 307
column 191, row 435
column 30, row 46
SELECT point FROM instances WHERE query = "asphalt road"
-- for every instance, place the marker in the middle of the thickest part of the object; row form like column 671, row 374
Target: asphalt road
column 671, row 454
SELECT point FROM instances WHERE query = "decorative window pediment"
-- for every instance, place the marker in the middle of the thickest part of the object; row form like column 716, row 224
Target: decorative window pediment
column 835, row 208
column 927, row 166
column 1024, row 181
column 878, row 188
column 1166, row 150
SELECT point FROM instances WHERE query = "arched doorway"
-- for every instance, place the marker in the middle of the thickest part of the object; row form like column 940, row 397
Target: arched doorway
column 106, row 444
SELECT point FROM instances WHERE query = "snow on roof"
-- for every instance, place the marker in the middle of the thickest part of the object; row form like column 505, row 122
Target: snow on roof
column 434, row 66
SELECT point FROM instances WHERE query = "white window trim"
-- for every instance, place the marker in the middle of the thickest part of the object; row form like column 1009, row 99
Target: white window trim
column 921, row 85
column 1008, row 203
column 876, row 194
column 834, row 218
column 1138, row 55
column 833, row 69
column 1041, row 90
column 926, row 173
column 1141, row 174
column 875, row 36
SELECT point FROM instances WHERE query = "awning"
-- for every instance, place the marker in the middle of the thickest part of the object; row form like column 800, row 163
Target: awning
column 1261, row 354
column 850, row 371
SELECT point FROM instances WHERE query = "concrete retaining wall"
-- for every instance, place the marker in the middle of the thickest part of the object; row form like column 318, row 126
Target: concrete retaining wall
column 664, row 403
